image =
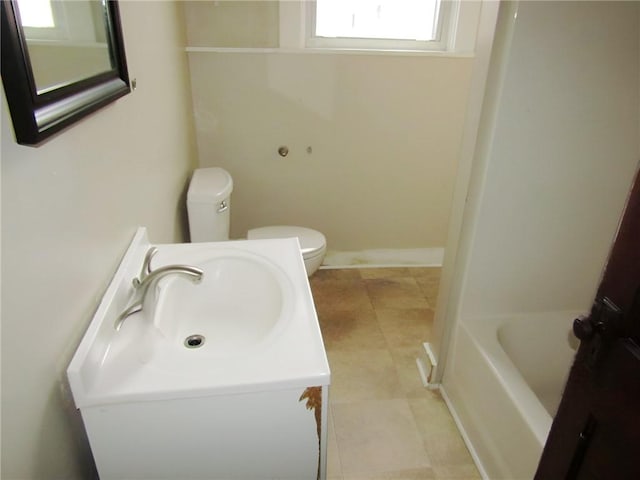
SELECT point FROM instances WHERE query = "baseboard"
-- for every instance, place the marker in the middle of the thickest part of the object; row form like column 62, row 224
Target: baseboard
column 387, row 257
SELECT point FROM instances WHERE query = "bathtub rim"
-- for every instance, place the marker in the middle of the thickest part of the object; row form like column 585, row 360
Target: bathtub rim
column 483, row 332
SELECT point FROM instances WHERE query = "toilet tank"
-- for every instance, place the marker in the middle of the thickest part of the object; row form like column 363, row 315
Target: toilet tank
column 209, row 204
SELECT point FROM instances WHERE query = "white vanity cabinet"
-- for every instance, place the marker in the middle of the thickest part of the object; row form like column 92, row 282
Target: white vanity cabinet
column 261, row 435
column 248, row 401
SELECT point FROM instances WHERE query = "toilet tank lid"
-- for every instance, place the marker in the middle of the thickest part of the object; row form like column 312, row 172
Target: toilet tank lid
column 310, row 240
column 209, row 185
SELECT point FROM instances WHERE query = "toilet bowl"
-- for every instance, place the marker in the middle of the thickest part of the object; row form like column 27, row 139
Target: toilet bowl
column 313, row 244
column 209, row 209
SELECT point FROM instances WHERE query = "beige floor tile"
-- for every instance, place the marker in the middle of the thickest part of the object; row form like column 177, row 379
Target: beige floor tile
column 408, row 375
column 362, row 375
column 351, row 329
column 405, row 327
column 433, row 416
column 432, row 274
column 334, row 469
column 412, row 474
column 395, row 292
column 448, row 451
column 340, row 295
column 429, row 282
column 383, row 424
column 369, row 273
column 378, row 436
column 458, row 472
column 333, row 274
column 426, row 271
column 441, row 437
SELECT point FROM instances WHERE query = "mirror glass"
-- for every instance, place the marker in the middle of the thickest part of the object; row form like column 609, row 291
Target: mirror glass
column 67, row 40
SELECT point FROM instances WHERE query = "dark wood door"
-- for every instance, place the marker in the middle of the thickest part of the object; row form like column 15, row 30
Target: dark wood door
column 596, row 432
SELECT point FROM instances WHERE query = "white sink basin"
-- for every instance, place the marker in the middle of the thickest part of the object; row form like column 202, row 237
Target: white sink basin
column 242, row 300
column 249, row 323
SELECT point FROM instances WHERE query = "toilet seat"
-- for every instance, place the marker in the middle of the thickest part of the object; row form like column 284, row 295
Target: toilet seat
column 312, row 242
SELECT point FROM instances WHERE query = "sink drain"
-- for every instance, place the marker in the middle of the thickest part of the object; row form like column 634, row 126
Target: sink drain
column 194, row 341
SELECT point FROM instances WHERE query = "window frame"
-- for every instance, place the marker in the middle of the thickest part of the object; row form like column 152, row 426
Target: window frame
column 460, row 38
column 441, row 42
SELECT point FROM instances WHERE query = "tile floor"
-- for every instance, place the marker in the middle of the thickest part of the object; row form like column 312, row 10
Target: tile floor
column 383, row 423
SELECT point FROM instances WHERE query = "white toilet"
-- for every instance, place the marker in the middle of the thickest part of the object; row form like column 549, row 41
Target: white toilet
column 208, row 207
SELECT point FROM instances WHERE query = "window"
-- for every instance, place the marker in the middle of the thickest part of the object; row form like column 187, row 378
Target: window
column 43, row 19
column 378, row 24
column 69, row 21
column 381, row 25
column 36, row 13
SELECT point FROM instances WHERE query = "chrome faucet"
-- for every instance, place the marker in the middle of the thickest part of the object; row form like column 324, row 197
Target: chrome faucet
column 148, row 279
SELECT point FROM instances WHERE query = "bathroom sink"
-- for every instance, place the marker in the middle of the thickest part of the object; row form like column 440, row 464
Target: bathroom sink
column 248, row 323
column 220, row 345
column 242, row 300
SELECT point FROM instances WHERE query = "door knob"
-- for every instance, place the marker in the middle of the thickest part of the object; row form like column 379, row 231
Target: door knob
column 583, row 328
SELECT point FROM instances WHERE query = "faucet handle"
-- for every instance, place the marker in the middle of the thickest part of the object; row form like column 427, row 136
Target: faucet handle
column 146, row 267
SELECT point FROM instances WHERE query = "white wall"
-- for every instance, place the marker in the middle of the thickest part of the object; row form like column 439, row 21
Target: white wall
column 562, row 155
column 385, row 132
column 69, row 209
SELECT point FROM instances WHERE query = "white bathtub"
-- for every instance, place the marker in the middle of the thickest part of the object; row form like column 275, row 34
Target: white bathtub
column 503, row 382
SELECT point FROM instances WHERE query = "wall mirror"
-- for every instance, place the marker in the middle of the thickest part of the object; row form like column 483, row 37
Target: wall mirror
column 61, row 61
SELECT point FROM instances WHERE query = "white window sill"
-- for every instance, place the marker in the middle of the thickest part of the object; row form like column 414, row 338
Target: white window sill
column 332, row 51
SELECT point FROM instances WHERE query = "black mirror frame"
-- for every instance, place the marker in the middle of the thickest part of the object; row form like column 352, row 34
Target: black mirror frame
column 36, row 117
